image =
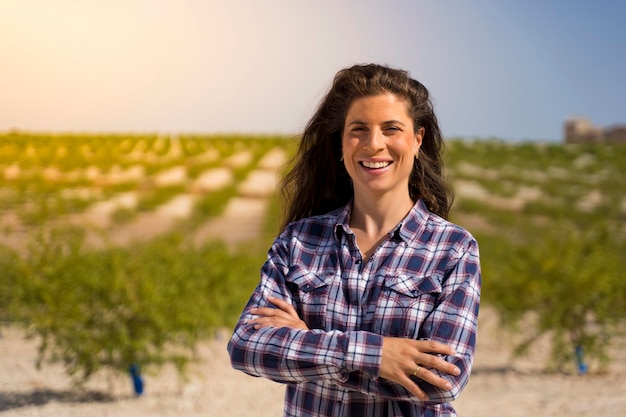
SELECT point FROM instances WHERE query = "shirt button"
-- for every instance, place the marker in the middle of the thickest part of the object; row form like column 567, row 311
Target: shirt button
column 358, row 262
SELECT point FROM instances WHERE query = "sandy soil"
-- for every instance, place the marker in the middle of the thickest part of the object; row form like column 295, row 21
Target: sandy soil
column 497, row 386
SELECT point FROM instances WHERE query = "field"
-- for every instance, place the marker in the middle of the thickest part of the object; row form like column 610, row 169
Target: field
column 128, row 249
column 118, row 184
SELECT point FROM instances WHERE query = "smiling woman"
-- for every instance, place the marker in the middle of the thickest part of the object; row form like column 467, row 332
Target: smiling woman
column 379, row 146
column 368, row 302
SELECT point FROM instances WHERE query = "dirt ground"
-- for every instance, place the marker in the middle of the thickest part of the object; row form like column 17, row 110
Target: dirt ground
column 497, row 387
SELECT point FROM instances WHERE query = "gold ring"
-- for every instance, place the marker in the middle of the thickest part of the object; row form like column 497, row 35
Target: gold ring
column 417, row 368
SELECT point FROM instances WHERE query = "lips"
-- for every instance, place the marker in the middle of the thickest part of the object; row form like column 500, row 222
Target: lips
column 375, row 164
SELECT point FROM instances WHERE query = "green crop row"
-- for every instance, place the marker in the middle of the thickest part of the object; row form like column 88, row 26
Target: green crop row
column 44, row 177
column 554, row 266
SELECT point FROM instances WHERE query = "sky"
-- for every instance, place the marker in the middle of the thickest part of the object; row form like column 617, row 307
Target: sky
column 513, row 70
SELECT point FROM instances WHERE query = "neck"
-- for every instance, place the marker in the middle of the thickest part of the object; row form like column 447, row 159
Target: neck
column 376, row 216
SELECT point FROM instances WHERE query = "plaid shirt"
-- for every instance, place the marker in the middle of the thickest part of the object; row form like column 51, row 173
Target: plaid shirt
column 422, row 282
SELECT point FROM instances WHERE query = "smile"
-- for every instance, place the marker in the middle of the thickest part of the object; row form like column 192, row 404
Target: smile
column 375, row 165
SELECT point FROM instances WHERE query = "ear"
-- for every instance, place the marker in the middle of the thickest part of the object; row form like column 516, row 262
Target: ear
column 419, row 136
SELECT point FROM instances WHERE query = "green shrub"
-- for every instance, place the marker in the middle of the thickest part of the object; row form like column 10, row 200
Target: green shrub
column 570, row 281
column 116, row 307
column 212, row 204
column 122, row 215
column 12, row 271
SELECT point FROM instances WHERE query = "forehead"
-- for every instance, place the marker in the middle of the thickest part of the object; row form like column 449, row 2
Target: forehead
column 385, row 105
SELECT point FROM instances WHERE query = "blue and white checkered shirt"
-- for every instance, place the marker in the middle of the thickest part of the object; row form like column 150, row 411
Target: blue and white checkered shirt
column 422, row 282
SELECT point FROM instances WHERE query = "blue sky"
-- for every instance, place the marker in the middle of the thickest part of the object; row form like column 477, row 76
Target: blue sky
column 514, row 70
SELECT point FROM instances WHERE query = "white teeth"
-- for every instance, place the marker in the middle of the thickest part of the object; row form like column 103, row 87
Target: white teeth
column 375, row 165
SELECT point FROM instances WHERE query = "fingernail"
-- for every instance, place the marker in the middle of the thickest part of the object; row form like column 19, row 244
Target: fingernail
column 448, row 385
column 457, row 371
column 253, row 310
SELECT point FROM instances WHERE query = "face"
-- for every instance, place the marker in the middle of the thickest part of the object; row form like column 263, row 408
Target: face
column 379, row 145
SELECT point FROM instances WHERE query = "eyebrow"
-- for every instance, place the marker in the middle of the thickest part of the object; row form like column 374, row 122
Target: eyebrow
column 387, row 122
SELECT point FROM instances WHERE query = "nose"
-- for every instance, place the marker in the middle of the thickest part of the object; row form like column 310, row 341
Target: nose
column 376, row 139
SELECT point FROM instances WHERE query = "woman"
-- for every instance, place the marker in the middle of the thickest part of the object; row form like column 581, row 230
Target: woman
column 368, row 301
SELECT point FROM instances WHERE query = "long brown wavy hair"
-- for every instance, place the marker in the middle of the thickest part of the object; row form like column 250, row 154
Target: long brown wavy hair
column 318, row 181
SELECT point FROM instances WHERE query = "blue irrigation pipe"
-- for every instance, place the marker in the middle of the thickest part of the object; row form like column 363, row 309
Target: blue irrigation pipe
column 580, row 361
column 135, row 374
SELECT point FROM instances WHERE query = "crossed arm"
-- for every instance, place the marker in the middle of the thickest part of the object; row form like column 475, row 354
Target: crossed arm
column 401, row 358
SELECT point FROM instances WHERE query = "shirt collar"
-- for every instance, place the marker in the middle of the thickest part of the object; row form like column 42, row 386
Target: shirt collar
column 343, row 217
column 408, row 228
column 414, row 223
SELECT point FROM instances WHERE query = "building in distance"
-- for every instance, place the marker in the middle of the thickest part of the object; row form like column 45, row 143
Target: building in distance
column 581, row 130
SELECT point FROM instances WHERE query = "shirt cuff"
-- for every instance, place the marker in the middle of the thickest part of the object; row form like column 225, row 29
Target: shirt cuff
column 363, row 352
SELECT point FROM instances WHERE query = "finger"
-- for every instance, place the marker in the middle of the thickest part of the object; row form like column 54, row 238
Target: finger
column 266, row 311
column 273, row 318
column 283, row 305
column 413, row 388
column 430, row 377
column 273, row 312
column 434, row 362
column 277, row 322
column 284, row 315
column 274, row 321
column 260, row 323
column 268, row 322
column 431, row 346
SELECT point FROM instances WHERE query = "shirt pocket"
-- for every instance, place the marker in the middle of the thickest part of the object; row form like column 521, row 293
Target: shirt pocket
column 310, row 291
column 404, row 303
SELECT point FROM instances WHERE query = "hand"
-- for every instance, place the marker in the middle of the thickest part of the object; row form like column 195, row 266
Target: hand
column 403, row 358
column 283, row 316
